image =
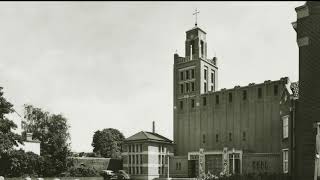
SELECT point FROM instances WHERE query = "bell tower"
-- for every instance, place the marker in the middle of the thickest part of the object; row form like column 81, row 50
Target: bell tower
column 196, row 44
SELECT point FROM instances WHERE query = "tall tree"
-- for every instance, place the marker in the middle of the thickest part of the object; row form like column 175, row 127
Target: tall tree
column 53, row 132
column 8, row 139
column 108, row 142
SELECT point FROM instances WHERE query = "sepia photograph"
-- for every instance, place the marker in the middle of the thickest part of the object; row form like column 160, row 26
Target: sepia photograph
column 160, row 90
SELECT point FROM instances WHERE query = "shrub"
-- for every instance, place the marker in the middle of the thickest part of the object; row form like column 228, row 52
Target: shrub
column 82, row 172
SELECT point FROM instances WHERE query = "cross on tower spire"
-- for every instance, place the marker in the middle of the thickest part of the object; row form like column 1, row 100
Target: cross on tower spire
column 196, row 12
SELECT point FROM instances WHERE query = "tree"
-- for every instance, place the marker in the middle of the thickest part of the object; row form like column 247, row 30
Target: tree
column 108, row 142
column 8, row 139
column 53, row 132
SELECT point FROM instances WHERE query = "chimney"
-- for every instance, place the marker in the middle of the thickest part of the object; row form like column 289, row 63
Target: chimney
column 153, row 127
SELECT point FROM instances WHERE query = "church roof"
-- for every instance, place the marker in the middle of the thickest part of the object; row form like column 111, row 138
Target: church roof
column 148, row 136
column 196, row 27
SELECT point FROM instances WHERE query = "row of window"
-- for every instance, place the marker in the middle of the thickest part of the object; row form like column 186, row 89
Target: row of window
column 162, row 148
column 189, row 87
column 244, row 137
column 206, row 88
column 135, row 170
column 206, row 75
column 135, row 159
column 135, row 147
column 185, row 75
column 161, row 170
column 244, row 96
column 162, row 159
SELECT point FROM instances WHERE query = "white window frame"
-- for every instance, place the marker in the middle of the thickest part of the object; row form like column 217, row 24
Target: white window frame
column 285, row 160
column 285, row 127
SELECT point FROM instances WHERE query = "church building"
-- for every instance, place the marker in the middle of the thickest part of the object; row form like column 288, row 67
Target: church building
column 228, row 131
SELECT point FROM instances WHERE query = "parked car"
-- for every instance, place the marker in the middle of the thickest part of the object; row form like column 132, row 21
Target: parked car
column 110, row 175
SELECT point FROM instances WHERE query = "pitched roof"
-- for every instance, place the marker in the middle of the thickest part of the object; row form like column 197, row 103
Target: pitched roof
column 148, row 136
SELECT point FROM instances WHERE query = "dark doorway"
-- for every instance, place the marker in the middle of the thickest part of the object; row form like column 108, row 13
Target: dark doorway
column 192, row 168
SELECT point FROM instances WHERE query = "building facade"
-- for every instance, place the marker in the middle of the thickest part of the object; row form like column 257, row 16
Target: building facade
column 145, row 155
column 307, row 27
column 237, row 130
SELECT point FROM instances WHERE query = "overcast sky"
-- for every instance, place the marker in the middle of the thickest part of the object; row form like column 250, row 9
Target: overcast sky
column 110, row 64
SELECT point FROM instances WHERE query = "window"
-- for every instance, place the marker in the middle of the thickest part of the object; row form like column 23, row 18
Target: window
column 259, row 92
column 140, row 147
column 137, row 159
column 181, row 75
column 243, row 136
column 129, row 170
column 181, row 104
column 129, row 159
column 192, row 86
column 205, row 87
column 181, row 88
column 129, row 148
column 230, row 137
column 187, row 87
column 211, row 87
column 192, row 103
column 202, row 48
column 141, row 170
column 275, row 90
column 141, row 159
column 203, row 138
column 212, row 77
column 285, row 160
column 230, row 97
column 285, row 126
column 133, row 160
column 205, row 74
column 192, row 73
column 217, row 99
column 204, row 101
column 133, row 148
column 187, row 74
column 217, row 137
column 244, row 94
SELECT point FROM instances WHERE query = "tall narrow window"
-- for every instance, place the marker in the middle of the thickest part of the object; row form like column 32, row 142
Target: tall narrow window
column 129, row 148
column 285, row 160
column 181, row 75
column 192, row 86
column 244, row 136
column 181, row 88
column 212, row 77
column 259, row 92
column 230, row 137
column 275, row 90
column 181, row 104
column 187, row 87
column 203, row 138
column 202, row 48
column 285, row 126
column 140, row 147
column 217, row 137
column 230, row 97
column 192, row 103
column 129, row 159
column 204, row 101
column 192, row 73
column 205, row 87
column 205, row 74
column 211, row 87
column 187, row 74
column 217, row 99
column 244, row 94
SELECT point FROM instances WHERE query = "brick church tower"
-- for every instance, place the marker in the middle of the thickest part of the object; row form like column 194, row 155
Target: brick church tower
column 194, row 75
column 307, row 27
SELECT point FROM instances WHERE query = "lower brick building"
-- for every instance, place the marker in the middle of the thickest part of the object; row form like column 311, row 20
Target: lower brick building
column 145, row 155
